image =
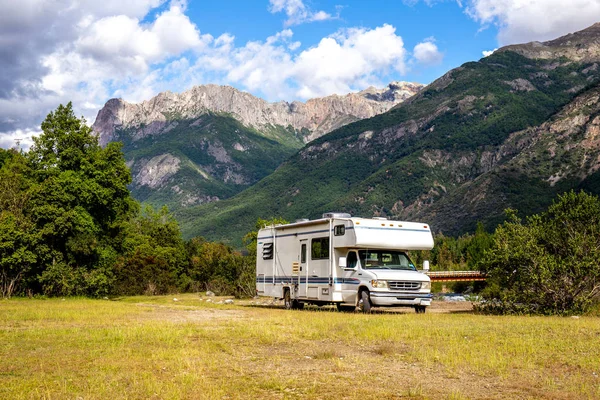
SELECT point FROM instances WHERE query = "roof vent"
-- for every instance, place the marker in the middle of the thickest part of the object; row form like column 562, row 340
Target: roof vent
column 336, row 215
column 302, row 220
column 380, row 218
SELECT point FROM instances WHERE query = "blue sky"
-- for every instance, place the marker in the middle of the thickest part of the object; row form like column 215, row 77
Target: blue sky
column 459, row 37
column 90, row 51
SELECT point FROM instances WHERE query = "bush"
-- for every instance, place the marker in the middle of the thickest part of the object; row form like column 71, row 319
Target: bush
column 549, row 265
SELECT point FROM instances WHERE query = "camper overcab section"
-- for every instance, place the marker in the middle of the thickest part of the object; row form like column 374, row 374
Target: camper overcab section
column 350, row 262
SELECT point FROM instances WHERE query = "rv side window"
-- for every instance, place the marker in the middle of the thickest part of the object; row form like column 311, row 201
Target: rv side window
column 303, row 254
column 267, row 251
column 339, row 230
column 319, row 249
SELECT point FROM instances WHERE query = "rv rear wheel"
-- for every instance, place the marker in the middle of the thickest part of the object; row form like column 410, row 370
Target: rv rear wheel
column 364, row 302
column 297, row 305
column 287, row 299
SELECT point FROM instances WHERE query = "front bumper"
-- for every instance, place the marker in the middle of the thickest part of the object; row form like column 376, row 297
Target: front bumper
column 391, row 299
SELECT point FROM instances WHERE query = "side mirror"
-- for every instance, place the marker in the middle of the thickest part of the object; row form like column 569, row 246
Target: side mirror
column 426, row 265
column 342, row 263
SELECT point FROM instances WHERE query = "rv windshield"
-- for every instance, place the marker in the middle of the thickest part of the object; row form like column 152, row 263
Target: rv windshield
column 385, row 259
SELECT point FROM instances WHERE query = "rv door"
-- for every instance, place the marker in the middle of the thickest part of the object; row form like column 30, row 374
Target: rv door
column 303, row 275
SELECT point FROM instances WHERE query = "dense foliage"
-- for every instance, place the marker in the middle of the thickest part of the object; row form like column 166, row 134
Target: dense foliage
column 69, row 226
column 549, row 264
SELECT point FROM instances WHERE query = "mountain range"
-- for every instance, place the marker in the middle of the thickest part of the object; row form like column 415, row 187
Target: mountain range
column 508, row 131
column 212, row 141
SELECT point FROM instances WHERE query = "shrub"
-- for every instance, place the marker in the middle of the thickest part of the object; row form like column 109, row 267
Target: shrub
column 548, row 265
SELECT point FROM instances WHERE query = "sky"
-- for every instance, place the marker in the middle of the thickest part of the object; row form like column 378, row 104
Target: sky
column 89, row 51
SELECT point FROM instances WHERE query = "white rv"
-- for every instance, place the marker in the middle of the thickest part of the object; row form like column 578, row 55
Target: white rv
column 351, row 262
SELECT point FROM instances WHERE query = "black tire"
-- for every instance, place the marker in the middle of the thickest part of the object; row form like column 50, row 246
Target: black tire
column 297, row 305
column 343, row 308
column 287, row 300
column 364, row 302
column 420, row 309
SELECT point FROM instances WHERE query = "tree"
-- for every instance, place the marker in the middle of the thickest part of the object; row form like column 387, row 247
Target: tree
column 18, row 237
column 250, row 238
column 549, row 265
column 153, row 256
column 79, row 203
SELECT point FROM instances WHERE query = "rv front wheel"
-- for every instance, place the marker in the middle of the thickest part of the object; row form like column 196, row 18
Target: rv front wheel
column 287, row 299
column 364, row 302
column 420, row 309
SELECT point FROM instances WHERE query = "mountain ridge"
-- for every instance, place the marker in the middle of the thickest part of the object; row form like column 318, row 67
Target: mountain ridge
column 318, row 115
column 419, row 160
column 210, row 142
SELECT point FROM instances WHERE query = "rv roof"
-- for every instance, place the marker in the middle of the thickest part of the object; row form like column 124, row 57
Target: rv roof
column 367, row 221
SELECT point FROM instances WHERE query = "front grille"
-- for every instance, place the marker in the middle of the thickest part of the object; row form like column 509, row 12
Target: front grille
column 404, row 285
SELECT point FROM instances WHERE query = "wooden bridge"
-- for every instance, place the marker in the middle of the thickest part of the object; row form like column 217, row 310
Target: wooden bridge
column 455, row 276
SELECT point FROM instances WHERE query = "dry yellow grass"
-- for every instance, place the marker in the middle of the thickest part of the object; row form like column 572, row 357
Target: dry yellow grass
column 153, row 347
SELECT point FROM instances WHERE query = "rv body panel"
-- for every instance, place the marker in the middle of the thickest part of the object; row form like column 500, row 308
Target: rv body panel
column 303, row 259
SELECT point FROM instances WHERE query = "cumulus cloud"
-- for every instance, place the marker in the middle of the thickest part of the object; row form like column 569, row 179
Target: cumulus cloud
column 297, row 12
column 427, row 53
column 487, row 53
column 18, row 139
column 137, row 48
column 340, row 63
column 521, row 21
column 99, row 45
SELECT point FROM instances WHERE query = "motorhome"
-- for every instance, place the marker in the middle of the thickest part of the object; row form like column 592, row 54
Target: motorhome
column 351, row 262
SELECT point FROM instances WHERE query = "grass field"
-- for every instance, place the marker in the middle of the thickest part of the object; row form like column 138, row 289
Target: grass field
column 156, row 348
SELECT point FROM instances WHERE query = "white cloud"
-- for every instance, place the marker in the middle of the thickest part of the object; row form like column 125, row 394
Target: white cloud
column 348, row 60
column 521, row 21
column 18, row 139
column 427, row 53
column 297, row 12
column 135, row 49
column 100, row 46
column 487, row 53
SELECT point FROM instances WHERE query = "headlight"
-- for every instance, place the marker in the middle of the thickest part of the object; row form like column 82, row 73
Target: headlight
column 426, row 285
column 379, row 284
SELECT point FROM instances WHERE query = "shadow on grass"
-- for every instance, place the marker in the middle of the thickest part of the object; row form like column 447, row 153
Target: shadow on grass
column 376, row 311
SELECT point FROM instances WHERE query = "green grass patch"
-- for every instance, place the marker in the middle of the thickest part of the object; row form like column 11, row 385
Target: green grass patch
column 155, row 347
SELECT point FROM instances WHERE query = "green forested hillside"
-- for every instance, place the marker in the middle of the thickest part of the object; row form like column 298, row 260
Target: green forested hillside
column 506, row 131
column 205, row 159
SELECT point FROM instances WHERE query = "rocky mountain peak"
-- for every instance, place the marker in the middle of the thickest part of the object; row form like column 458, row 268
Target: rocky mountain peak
column 581, row 46
column 318, row 116
column 396, row 91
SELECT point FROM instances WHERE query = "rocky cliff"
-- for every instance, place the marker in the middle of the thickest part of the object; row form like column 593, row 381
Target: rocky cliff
column 211, row 141
column 315, row 117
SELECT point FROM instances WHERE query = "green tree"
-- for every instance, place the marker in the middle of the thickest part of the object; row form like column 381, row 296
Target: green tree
column 79, row 203
column 250, row 238
column 548, row 265
column 18, row 236
column 477, row 245
column 153, row 258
